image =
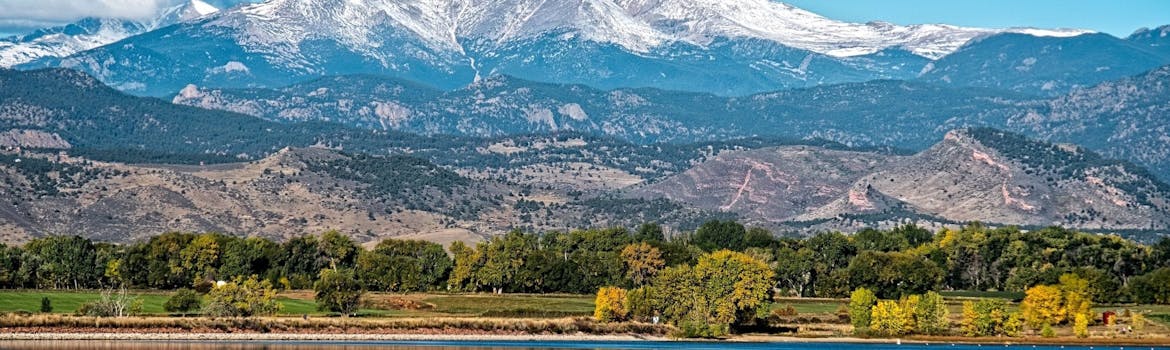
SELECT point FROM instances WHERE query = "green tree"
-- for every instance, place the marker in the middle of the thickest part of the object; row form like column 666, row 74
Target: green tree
column 468, row 260
column 200, row 258
column 985, row 317
column 794, row 270
column 831, row 252
column 893, row 275
column 714, row 235
column 338, row 291
column 46, row 305
column 183, row 301
column 640, row 303
column 650, row 233
column 61, row 262
column 723, row 288
column 861, row 304
column 246, row 257
column 931, row 314
column 300, row 260
column 338, row 249
column 422, row 265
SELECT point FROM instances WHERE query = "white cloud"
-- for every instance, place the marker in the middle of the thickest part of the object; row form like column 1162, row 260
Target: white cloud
column 70, row 10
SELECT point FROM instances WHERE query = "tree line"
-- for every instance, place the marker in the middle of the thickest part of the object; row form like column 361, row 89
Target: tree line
column 892, row 263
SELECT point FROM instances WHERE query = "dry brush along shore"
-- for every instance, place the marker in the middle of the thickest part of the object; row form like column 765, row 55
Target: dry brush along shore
column 17, row 324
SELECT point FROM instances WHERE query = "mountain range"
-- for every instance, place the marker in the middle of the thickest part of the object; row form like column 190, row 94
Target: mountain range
column 66, row 169
column 729, row 48
column 458, row 119
column 1123, row 119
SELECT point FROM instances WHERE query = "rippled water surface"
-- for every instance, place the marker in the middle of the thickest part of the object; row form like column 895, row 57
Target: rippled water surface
column 509, row 345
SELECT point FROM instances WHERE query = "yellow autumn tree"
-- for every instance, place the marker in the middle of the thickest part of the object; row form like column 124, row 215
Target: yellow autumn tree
column 970, row 319
column 1076, row 296
column 1043, row 305
column 908, row 305
column 611, row 305
column 887, row 318
column 643, row 262
column 1081, row 325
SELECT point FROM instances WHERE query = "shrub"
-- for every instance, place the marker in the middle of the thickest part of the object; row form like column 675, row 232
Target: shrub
column 1047, row 331
column 1014, row 325
column 611, row 305
column 786, row 311
column 338, row 291
column 699, row 329
column 184, row 301
column 112, row 304
column 46, row 305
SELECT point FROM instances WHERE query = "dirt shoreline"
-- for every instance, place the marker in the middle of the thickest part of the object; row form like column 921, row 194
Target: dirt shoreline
column 7, row 336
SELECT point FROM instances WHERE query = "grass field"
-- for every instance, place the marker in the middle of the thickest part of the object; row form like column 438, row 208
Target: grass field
column 301, row 303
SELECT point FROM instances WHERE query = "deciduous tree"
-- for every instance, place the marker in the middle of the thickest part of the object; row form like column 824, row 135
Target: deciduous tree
column 642, row 261
column 611, row 305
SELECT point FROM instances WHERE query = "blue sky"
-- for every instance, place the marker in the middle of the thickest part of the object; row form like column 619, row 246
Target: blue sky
column 1117, row 17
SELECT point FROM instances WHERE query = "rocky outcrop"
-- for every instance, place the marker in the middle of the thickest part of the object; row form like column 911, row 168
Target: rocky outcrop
column 32, row 139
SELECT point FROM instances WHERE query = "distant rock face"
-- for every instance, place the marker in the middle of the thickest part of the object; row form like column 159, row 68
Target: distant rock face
column 773, row 184
column 972, row 175
column 1123, row 119
column 32, row 139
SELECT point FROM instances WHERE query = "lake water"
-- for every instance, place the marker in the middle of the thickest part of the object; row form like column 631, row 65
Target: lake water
column 510, row 345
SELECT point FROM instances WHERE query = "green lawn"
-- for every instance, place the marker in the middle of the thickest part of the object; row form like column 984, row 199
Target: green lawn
column 69, row 302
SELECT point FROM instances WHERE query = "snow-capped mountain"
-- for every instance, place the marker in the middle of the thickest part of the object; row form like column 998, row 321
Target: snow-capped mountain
column 89, row 33
column 725, row 47
column 635, row 25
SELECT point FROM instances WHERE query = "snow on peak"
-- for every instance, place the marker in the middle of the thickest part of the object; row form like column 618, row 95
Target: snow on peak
column 637, row 25
column 202, row 8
